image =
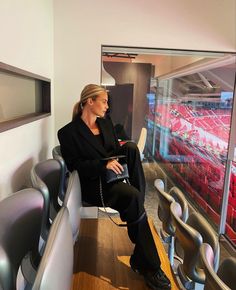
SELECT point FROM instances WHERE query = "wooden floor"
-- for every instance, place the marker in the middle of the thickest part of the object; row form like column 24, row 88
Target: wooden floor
column 102, row 258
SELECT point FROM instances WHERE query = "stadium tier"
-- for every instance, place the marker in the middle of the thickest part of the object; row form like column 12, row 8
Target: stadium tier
column 192, row 145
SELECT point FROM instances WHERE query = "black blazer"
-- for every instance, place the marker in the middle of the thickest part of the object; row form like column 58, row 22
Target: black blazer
column 83, row 152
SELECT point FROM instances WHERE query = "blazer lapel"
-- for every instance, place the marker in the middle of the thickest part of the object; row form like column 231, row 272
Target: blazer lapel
column 106, row 132
column 88, row 135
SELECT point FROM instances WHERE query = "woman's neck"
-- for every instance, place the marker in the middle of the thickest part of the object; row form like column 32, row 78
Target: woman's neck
column 88, row 118
column 90, row 121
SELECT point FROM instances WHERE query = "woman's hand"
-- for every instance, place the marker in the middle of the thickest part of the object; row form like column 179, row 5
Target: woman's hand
column 115, row 166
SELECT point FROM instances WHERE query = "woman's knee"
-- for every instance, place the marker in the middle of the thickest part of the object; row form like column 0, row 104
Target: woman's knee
column 127, row 193
column 131, row 146
column 126, row 190
column 134, row 200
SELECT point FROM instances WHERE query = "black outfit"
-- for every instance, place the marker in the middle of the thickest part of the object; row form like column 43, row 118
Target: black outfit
column 83, row 151
column 120, row 132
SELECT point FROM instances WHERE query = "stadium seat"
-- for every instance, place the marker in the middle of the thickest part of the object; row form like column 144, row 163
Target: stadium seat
column 142, row 141
column 20, row 216
column 56, row 153
column 46, row 176
column 224, row 278
column 168, row 230
column 56, row 266
column 73, row 202
column 191, row 235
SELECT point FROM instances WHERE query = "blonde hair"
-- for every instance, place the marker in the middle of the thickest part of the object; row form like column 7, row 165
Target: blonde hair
column 89, row 91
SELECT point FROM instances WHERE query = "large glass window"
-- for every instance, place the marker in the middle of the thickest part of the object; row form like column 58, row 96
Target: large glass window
column 187, row 110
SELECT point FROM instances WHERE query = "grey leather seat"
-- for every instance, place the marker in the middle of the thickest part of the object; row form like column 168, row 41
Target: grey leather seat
column 43, row 177
column 56, row 267
column 225, row 277
column 20, row 224
column 73, row 202
column 46, row 177
column 179, row 197
column 168, row 230
column 56, row 153
column 191, row 235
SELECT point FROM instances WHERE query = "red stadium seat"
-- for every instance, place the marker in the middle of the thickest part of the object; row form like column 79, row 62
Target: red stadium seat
column 230, row 214
column 232, row 201
column 215, row 201
column 230, row 233
column 213, row 214
column 201, row 202
column 234, row 220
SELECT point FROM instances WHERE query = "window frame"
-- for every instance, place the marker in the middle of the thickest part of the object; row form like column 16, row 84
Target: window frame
column 45, row 84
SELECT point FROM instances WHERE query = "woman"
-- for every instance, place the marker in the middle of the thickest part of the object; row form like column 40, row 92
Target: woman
column 85, row 143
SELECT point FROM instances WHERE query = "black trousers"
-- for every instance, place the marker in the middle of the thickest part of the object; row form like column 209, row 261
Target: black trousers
column 128, row 201
column 136, row 175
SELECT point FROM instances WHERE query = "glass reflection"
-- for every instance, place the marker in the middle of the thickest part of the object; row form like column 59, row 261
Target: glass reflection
column 187, row 109
column 190, row 122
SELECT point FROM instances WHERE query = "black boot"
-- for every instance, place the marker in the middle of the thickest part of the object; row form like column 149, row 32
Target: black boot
column 155, row 280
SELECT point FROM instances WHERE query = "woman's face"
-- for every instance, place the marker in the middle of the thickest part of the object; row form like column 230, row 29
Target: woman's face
column 99, row 106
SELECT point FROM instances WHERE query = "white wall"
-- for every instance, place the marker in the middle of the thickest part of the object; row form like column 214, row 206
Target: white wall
column 82, row 26
column 26, row 29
